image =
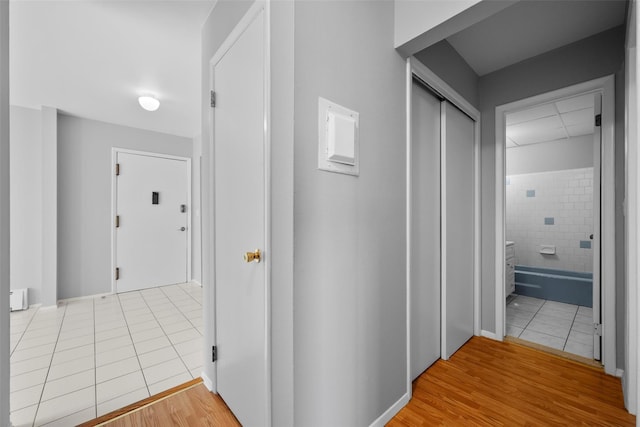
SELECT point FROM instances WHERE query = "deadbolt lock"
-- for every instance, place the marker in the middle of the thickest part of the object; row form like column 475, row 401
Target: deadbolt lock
column 252, row 256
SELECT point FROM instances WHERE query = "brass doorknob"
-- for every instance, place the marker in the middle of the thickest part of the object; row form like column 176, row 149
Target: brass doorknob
column 252, row 256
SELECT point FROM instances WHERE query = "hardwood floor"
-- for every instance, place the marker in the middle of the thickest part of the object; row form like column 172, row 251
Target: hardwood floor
column 193, row 406
column 487, row 383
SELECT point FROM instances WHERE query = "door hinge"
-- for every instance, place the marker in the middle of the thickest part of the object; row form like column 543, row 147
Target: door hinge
column 117, row 169
column 214, row 353
column 597, row 329
column 117, row 221
column 599, row 120
column 213, row 99
column 117, row 273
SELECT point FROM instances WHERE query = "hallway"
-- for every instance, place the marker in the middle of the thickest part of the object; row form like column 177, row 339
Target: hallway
column 492, row 383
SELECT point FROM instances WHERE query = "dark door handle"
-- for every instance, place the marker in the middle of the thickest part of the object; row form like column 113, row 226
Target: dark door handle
column 591, row 237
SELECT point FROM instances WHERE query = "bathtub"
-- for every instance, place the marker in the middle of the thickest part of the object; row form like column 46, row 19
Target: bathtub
column 556, row 285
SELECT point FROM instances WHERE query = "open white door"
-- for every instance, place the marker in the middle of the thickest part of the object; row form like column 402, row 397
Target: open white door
column 458, row 217
column 152, row 236
column 597, row 214
column 425, row 230
column 239, row 141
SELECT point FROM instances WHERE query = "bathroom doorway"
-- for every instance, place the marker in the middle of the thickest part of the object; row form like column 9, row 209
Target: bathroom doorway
column 598, row 323
column 552, row 212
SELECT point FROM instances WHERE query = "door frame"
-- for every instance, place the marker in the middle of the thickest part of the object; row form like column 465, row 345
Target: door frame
column 419, row 70
column 114, row 207
column 259, row 6
column 605, row 86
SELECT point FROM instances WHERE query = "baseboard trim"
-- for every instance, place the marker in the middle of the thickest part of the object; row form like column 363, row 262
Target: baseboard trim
column 207, row 382
column 85, row 297
column 392, row 411
column 490, row 335
column 620, row 373
column 195, row 282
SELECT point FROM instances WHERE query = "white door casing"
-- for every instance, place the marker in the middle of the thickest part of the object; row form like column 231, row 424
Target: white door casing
column 458, row 224
column 425, row 230
column 605, row 87
column 239, row 78
column 151, row 241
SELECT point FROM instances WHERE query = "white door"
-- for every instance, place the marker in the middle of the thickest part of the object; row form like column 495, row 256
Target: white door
column 597, row 214
column 457, row 228
column 152, row 236
column 239, row 218
column 425, row 230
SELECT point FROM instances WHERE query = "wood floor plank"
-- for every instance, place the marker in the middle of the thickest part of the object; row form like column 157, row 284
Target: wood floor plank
column 486, row 383
column 491, row 383
column 195, row 406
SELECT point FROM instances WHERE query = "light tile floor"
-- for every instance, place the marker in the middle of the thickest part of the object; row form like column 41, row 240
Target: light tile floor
column 88, row 357
column 565, row 327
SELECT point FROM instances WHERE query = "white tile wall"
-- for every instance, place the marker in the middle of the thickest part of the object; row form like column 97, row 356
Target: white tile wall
column 566, row 196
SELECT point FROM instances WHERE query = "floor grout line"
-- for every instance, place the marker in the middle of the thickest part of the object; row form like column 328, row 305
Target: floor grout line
column 538, row 315
column 171, row 342
column 569, row 333
column 35, row 416
column 78, row 313
column 132, row 343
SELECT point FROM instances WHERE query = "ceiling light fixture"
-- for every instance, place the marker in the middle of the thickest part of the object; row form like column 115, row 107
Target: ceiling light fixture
column 149, row 102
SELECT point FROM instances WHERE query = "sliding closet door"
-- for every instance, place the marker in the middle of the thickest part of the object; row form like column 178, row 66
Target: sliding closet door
column 458, row 228
column 425, row 230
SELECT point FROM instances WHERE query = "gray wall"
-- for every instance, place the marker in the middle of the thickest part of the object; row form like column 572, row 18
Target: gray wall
column 84, row 197
column 4, row 213
column 26, row 201
column 349, row 273
column 49, row 164
column 196, row 211
column 594, row 57
column 446, row 62
column 574, row 153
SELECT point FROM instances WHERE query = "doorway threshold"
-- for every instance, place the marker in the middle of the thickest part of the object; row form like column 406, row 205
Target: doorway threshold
column 555, row 352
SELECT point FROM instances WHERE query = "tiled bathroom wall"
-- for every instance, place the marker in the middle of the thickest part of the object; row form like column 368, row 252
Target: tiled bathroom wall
column 551, row 208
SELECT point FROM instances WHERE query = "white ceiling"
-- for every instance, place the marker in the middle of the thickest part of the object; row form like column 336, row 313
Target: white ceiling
column 532, row 27
column 556, row 121
column 93, row 58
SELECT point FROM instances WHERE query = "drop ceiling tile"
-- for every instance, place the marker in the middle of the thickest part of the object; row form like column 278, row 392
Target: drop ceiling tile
column 542, row 135
column 578, row 117
column 527, row 115
column 576, row 103
column 527, row 129
column 579, row 130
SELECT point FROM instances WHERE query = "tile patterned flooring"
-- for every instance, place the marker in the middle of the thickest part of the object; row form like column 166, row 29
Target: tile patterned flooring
column 565, row 327
column 85, row 358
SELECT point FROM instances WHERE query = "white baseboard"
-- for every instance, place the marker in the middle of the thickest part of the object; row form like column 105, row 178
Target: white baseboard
column 619, row 373
column 391, row 412
column 207, row 381
column 195, row 282
column 490, row 335
column 83, row 298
